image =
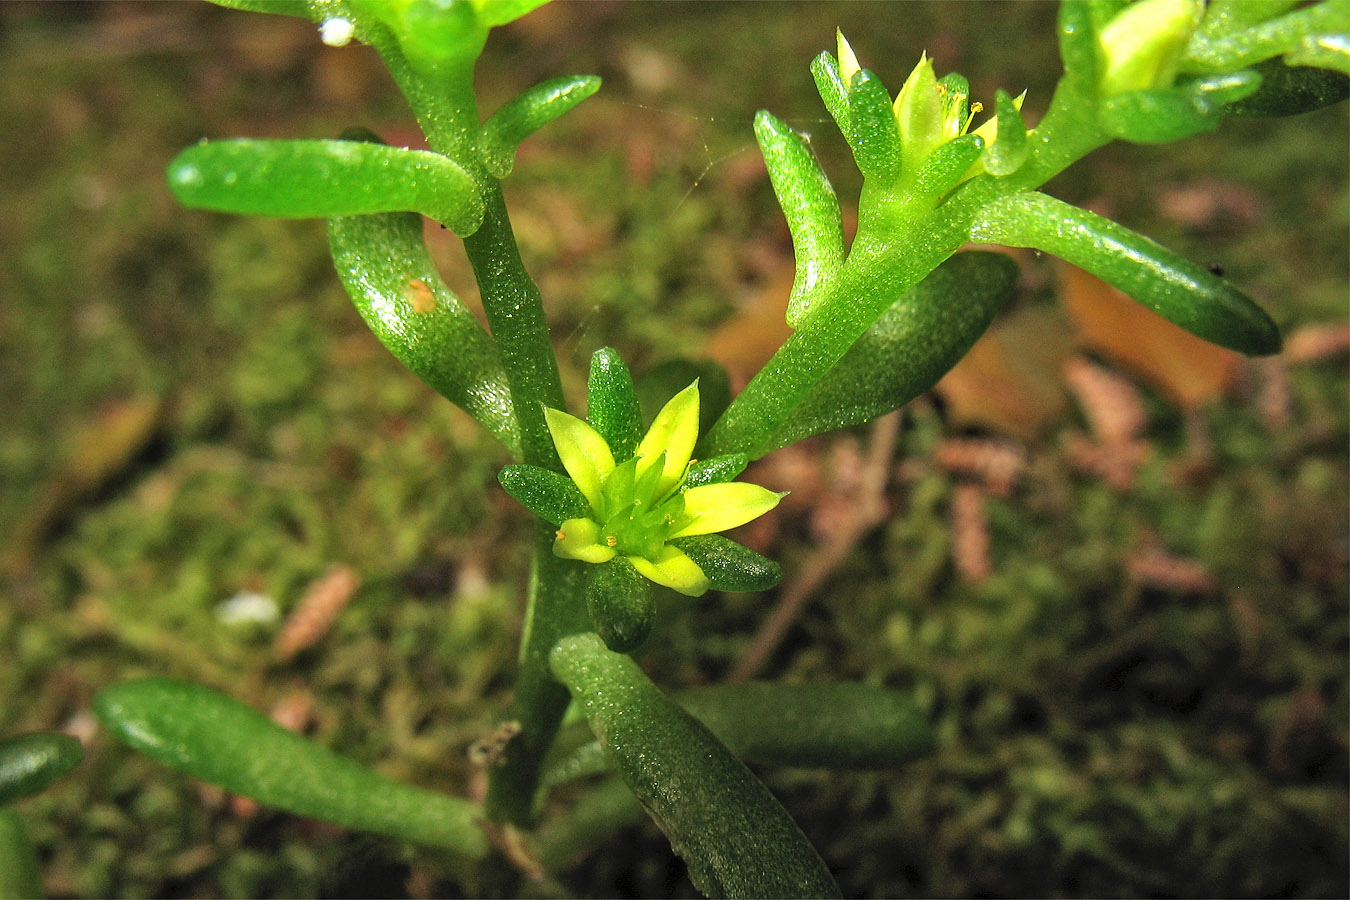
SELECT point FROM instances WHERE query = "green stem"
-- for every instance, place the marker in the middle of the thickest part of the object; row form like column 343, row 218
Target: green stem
column 515, row 313
column 555, row 610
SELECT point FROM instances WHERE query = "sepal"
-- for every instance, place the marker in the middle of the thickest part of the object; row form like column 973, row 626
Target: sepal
column 550, row 496
column 730, row 566
column 612, row 404
column 619, row 602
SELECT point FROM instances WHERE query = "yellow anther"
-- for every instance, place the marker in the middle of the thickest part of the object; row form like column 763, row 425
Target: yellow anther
column 611, row 540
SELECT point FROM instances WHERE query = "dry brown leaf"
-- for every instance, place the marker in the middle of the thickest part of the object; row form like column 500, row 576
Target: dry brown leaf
column 1009, row 382
column 1189, row 370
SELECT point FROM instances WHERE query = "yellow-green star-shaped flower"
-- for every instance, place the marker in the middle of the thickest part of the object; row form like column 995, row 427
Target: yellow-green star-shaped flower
column 638, row 505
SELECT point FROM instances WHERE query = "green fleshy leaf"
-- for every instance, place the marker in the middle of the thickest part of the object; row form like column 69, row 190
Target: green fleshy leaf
column 31, row 762
column 946, row 166
column 906, row 351
column 1291, row 90
column 619, row 601
column 1079, row 48
column 612, row 404
column 1164, row 116
column 875, row 138
column 716, row 470
column 828, row 726
column 323, row 179
column 1324, row 51
column 217, row 739
column 19, row 874
column 383, row 264
column 833, row 91
column 1009, row 149
column 550, row 496
column 1319, row 25
column 810, row 206
column 737, row 840
column 836, row 726
column 526, row 113
column 730, row 566
column 499, row 12
column 1178, row 290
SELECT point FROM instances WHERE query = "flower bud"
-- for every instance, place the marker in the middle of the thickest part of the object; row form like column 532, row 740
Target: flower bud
column 1142, row 45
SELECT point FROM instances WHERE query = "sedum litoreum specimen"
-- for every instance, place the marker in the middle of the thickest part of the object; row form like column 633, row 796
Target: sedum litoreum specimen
column 622, row 511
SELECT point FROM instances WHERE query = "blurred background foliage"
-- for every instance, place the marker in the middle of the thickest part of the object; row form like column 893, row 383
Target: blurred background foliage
column 1115, row 577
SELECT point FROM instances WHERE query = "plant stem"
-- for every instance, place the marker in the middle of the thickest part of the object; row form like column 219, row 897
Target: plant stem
column 555, row 610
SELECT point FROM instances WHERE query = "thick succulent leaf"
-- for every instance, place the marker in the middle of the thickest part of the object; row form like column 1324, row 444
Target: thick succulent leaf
column 384, row 265
column 322, row 179
column 526, row 113
column 1177, row 289
column 828, row 726
column 946, row 166
column 1291, row 90
column 1164, row 116
column 729, row 566
column 584, row 453
column 612, row 403
column 217, row 739
column 550, row 496
column 1317, row 30
column 716, row 470
column 1325, row 51
column 875, row 137
column 908, row 348
column 737, row 840
column 30, row 762
column 810, row 206
column 1079, row 47
column 19, row 874
column 619, row 602
column 820, row 726
column 833, row 90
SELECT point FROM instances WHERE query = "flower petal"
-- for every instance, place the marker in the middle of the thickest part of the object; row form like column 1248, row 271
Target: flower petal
column 584, row 453
column 674, row 433
column 672, row 568
column 717, row 507
column 580, row 539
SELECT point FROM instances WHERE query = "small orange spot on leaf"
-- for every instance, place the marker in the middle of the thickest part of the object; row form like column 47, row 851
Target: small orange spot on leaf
column 419, row 294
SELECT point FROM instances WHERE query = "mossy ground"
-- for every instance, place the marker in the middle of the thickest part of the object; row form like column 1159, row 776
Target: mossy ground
column 192, row 409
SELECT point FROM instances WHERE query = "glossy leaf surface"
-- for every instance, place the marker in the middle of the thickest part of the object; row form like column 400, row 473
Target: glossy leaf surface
column 730, row 566
column 217, row 739
column 322, row 179
column 619, row 602
column 737, row 840
column 1291, row 90
column 908, row 348
column 31, row 762
column 612, row 404
column 552, row 497
column 384, row 265
column 1177, row 289
column 810, row 206
column 526, row 113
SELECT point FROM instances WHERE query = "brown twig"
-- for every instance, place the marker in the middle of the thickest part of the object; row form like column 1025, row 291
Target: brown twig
column 870, row 510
